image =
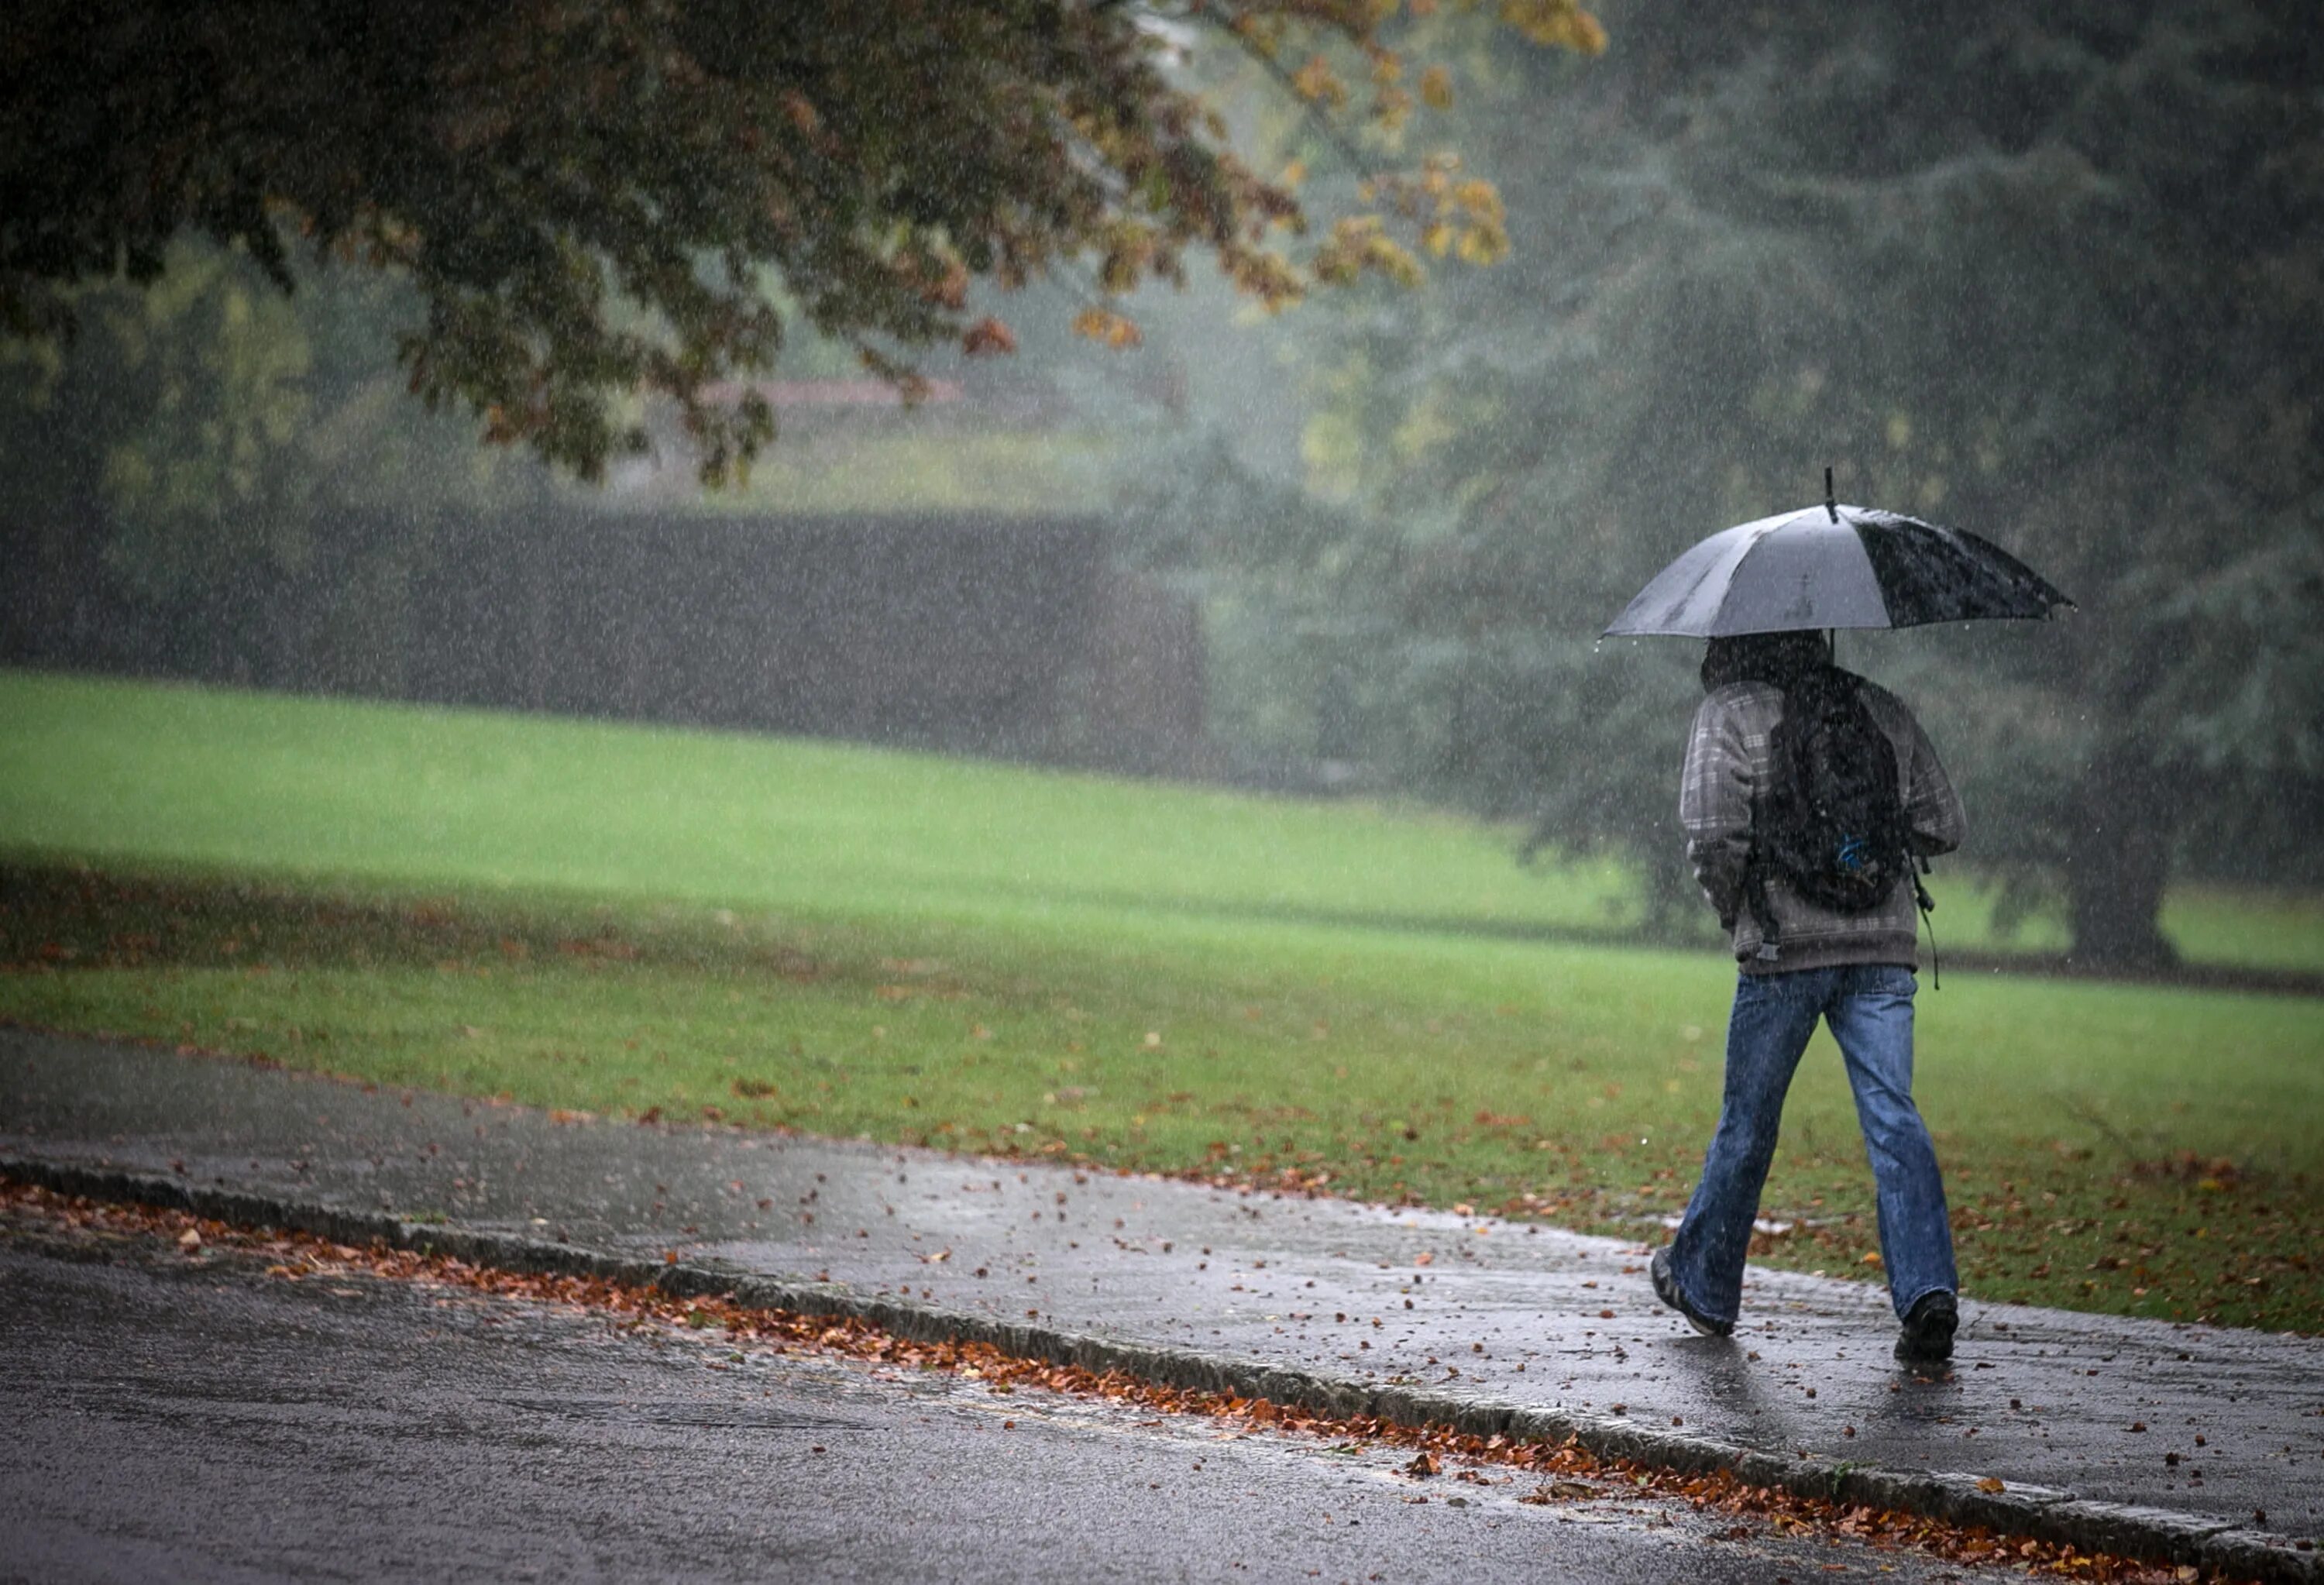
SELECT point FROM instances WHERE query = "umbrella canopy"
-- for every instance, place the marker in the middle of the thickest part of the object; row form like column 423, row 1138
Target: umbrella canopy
column 1832, row 566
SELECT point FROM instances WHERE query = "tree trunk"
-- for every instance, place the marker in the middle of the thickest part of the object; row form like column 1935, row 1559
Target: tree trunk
column 2118, row 860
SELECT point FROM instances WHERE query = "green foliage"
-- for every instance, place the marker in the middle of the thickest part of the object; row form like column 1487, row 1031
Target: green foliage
column 217, row 364
column 596, row 200
column 211, row 427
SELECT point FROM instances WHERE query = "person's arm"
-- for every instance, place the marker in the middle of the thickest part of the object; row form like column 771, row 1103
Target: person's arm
column 1714, row 806
column 1932, row 810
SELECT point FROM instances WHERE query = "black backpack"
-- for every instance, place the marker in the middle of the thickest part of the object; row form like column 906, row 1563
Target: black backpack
column 1832, row 821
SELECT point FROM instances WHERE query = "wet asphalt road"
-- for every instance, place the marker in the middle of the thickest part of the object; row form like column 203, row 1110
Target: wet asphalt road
column 186, row 1417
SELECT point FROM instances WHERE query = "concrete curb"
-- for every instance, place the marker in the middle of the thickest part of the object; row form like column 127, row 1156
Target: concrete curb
column 2032, row 1512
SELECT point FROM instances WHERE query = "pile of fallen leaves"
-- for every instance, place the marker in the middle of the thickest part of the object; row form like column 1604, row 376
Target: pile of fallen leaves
column 1558, row 1472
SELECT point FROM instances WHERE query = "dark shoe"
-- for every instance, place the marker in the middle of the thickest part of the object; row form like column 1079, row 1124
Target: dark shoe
column 1929, row 1327
column 1666, row 1290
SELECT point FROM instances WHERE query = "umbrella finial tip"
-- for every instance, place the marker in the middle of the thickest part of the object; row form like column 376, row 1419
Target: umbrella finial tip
column 1831, row 503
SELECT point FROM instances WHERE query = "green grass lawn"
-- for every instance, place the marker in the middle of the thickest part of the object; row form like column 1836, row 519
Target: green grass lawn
column 616, row 919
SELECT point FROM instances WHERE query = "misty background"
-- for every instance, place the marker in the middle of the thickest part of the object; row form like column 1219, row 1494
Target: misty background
column 2054, row 274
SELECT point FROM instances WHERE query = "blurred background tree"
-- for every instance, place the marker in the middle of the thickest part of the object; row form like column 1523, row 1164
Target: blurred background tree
column 2053, row 274
column 203, row 439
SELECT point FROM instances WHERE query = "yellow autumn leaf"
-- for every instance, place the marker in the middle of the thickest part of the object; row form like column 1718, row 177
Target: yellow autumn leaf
column 1481, row 244
column 1437, row 88
column 1559, row 22
column 1392, row 260
column 1584, row 35
column 1319, row 83
column 1480, row 198
column 1108, row 327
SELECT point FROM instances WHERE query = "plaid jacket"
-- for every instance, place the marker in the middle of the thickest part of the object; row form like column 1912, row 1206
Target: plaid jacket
column 1727, row 769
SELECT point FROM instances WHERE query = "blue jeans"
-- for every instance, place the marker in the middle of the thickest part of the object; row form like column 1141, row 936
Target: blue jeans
column 1869, row 1007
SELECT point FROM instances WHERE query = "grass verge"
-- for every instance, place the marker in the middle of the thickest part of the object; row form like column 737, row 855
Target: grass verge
column 622, row 920
column 2142, row 1151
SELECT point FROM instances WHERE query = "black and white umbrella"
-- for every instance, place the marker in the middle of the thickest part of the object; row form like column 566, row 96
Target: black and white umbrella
column 1836, row 567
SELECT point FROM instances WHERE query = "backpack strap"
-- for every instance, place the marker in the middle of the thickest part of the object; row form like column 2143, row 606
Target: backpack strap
column 1755, row 899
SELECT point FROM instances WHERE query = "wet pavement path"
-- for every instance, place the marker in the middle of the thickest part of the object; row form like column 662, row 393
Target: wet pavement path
column 2096, row 1405
column 186, row 1417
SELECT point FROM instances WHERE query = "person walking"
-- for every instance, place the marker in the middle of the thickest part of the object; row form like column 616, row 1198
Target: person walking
column 1831, row 937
